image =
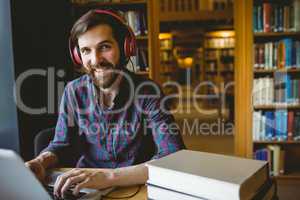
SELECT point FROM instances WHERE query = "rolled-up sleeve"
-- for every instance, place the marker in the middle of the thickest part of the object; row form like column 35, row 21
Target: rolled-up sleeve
column 166, row 133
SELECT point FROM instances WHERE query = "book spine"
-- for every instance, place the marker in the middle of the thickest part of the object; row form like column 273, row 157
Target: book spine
column 275, row 158
column 259, row 18
column 293, row 54
column 297, row 15
column 280, row 18
column 290, row 125
column 297, row 49
column 267, row 16
column 271, row 44
column 255, row 19
column 288, row 83
column 269, row 125
column 281, row 162
column 281, row 55
column 296, row 125
column 285, row 125
column 286, row 16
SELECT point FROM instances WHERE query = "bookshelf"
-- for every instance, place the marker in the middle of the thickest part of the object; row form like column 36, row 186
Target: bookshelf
column 181, row 14
column 135, row 12
column 276, row 34
column 167, row 60
column 219, row 69
column 198, row 10
column 266, row 52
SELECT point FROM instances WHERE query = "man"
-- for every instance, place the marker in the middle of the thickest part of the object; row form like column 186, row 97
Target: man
column 112, row 109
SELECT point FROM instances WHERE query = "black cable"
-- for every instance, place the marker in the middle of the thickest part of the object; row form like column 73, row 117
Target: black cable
column 133, row 67
column 125, row 197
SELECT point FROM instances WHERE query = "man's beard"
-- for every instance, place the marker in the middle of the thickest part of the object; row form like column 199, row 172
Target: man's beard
column 103, row 74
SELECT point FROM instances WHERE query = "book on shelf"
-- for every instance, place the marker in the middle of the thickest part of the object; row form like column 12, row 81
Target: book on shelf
column 280, row 54
column 226, row 42
column 217, row 5
column 279, row 125
column 281, row 89
column 275, row 156
column 275, row 153
column 139, row 62
column 136, row 19
column 276, row 16
column 166, row 56
column 208, row 175
column 166, row 43
column 227, row 60
column 296, row 126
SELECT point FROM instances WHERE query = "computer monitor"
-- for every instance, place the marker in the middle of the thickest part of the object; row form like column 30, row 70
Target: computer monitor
column 9, row 135
column 17, row 181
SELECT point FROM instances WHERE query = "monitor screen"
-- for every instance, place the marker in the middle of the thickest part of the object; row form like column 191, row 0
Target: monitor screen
column 9, row 136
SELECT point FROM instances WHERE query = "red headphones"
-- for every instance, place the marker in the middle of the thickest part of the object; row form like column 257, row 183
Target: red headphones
column 129, row 42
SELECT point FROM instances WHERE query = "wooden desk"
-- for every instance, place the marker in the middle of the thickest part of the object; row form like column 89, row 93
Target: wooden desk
column 122, row 191
column 128, row 191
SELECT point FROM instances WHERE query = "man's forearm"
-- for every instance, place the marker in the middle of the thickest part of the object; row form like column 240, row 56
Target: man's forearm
column 47, row 159
column 137, row 174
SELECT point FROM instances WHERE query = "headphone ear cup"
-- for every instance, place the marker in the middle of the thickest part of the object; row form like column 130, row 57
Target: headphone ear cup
column 129, row 46
column 76, row 56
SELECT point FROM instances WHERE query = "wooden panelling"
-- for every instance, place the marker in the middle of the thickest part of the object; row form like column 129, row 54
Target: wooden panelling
column 243, row 77
column 153, row 42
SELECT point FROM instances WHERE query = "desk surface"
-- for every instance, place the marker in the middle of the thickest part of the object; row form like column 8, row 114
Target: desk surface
column 123, row 191
column 129, row 191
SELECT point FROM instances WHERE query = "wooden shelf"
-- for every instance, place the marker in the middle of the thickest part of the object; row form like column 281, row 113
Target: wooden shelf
column 273, row 107
column 167, row 73
column 210, row 59
column 266, row 71
column 141, row 37
column 291, row 175
column 142, row 72
column 167, row 62
column 204, row 15
column 121, row 3
column 227, row 71
column 276, row 34
column 277, row 142
column 211, row 72
column 165, row 49
column 218, row 48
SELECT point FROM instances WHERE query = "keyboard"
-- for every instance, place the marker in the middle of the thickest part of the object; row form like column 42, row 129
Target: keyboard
column 68, row 195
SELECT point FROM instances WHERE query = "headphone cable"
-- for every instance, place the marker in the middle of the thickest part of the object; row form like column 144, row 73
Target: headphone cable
column 133, row 66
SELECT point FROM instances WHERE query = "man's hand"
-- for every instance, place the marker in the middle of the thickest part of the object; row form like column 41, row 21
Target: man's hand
column 83, row 178
column 42, row 162
column 37, row 168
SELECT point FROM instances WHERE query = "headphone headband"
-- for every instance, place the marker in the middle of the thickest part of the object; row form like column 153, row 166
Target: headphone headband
column 129, row 46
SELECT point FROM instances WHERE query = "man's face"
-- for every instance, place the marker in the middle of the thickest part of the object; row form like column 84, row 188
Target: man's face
column 100, row 54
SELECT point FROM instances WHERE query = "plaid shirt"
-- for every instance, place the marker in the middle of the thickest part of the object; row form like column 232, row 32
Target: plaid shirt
column 133, row 131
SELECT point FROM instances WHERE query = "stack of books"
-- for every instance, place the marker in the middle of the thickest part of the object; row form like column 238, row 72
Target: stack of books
column 191, row 175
